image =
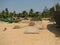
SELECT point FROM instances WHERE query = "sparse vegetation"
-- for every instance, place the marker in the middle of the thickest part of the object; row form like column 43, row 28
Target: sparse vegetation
column 39, row 18
column 16, row 27
column 11, row 17
column 40, row 28
column 31, row 23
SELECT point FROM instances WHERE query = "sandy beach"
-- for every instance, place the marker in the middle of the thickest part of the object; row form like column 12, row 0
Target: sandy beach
column 18, row 37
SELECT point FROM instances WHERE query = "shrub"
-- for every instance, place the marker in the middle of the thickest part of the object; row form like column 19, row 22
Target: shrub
column 9, row 20
column 31, row 24
column 40, row 28
column 16, row 27
column 38, row 18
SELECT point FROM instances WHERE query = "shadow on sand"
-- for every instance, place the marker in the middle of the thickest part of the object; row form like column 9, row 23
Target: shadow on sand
column 52, row 28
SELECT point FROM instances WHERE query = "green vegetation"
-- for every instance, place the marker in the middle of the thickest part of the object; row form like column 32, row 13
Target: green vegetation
column 11, row 17
column 50, row 12
column 8, row 20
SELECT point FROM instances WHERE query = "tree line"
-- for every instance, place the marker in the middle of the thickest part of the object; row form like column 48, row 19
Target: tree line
column 47, row 13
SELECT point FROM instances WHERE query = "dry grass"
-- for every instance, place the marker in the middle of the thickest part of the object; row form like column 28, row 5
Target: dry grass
column 16, row 27
column 25, row 21
column 31, row 23
column 40, row 28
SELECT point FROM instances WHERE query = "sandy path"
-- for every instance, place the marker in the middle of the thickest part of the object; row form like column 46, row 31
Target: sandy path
column 17, row 36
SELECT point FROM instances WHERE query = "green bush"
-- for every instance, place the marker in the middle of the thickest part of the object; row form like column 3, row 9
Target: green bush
column 9, row 20
column 36, row 18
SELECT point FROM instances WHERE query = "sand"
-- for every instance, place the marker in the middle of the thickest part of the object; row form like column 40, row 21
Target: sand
column 18, row 37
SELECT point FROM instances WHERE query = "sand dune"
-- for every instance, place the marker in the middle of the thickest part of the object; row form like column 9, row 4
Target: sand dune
column 17, row 37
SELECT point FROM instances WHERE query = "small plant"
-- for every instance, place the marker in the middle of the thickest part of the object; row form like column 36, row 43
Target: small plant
column 37, row 18
column 31, row 24
column 40, row 28
column 16, row 27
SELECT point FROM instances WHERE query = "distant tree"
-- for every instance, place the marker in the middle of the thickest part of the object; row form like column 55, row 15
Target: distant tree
column 57, row 6
column 37, row 14
column 19, row 14
column 3, row 15
column 6, row 9
column 51, row 11
column 6, row 12
column 14, row 14
column 45, row 12
column 31, row 13
column 24, row 14
column 11, row 15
